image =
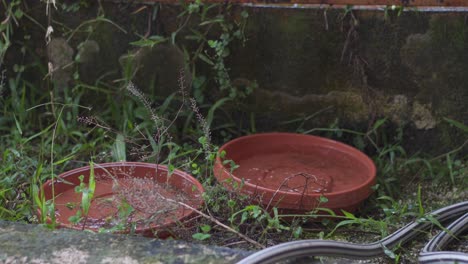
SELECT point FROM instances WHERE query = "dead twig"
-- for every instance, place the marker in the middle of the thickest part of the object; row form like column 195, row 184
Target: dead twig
column 216, row 221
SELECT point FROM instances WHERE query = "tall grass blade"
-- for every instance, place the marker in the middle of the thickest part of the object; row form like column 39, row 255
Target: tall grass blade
column 119, row 149
column 450, row 168
column 457, row 124
column 18, row 126
column 210, row 116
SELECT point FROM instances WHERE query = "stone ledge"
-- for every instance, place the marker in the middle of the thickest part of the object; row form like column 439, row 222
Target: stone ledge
column 23, row 243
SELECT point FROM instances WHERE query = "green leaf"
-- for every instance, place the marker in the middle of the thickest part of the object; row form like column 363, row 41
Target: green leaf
column 75, row 219
column 379, row 123
column 327, row 210
column 231, row 203
column 37, row 200
column 424, row 161
column 212, row 43
column 435, row 222
column 216, row 20
column 346, row 222
column 457, row 124
column 297, row 232
column 222, row 154
column 67, row 158
column 18, row 126
column 149, row 42
column 170, row 168
column 205, row 59
column 321, row 235
column 167, row 102
column 256, row 211
column 85, row 201
column 245, row 216
column 358, row 141
column 385, row 197
column 323, row 199
column 244, row 14
column 211, row 157
column 210, row 116
column 19, row 13
column 388, row 252
column 92, row 182
column 202, row 140
column 450, row 168
column 420, row 206
column 205, row 228
column 118, row 152
column 348, row 214
column 6, row 211
column 201, row 236
column 173, row 37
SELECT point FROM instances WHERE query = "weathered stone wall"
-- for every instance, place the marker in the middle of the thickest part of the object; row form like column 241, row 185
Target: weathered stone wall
column 352, row 67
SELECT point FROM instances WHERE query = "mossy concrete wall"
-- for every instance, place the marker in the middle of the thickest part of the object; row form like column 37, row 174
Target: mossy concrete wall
column 354, row 67
column 409, row 68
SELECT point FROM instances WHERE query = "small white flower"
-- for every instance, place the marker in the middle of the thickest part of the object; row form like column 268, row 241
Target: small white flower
column 51, row 69
column 48, row 34
column 48, row 6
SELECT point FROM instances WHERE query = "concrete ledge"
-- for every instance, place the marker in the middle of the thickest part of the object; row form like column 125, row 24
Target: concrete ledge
column 23, row 243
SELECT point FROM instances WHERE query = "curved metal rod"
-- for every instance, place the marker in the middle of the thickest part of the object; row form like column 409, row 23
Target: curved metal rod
column 315, row 247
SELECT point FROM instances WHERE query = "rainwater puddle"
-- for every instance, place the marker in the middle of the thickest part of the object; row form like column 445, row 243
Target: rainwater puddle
column 318, row 171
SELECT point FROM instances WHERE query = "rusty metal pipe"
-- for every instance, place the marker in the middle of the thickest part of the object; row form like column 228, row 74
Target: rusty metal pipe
column 377, row 5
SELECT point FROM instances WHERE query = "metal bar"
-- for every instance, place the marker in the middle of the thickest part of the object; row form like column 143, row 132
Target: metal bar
column 406, row 3
column 435, row 9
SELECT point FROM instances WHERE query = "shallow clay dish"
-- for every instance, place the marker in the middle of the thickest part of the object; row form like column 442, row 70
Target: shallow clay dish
column 145, row 187
column 291, row 171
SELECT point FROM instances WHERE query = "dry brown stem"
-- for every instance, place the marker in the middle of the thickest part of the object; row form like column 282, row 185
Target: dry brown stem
column 216, row 221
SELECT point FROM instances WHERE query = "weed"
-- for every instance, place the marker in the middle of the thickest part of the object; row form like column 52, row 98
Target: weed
column 121, row 222
column 39, row 197
column 204, row 234
column 210, row 21
column 87, row 194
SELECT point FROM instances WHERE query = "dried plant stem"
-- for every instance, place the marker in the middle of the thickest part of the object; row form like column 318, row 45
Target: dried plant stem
column 451, row 152
column 285, row 183
column 2, row 76
column 246, row 238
